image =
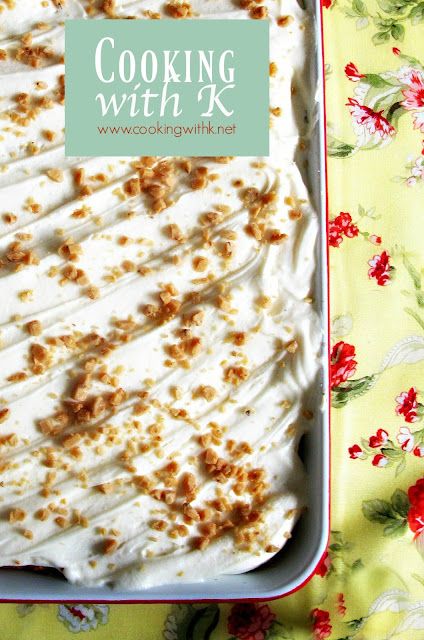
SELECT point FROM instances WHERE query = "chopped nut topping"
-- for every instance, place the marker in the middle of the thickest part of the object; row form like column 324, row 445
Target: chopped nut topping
column 178, row 10
column 175, row 233
column 34, row 327
column 109, row 546
column 70, row 251
column 259, row 12
column 236, row 375
column 55, row 174
column 275, row 237
column 284, row 21
column 292, row 346
column 62, row 522
column 201, row 543
column 205, row 391
column 42, row 514
column 93, row 292
column 17, row 515
column 4, row 414
column 239, row 338
column 200, row 263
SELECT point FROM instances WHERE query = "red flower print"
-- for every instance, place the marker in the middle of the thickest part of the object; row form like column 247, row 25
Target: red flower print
column 323, row 566
column 375, row 239
column 326, row 3
column 416, row 509
column 342, row 363
column 378, row 439
column 344, row 221
column 248, row 621
column 396, row 51
column 407, row 405
column 355, row 452
column 335, row 237
column 405, row 439
column 419, row 451
column 379, row 460
column 340, row 226
column 380, row 268
column 351, row 71
column 321, row 624
column 341, row 608
column 373, row 121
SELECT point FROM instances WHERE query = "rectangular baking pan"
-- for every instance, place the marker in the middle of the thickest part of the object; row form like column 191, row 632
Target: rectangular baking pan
column 289, row 569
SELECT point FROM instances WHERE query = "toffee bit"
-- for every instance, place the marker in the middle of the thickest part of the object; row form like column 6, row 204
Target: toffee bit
column 178, row 10
column 56, row 175
column 284, row 21
column 109, row 546
column 205, row 391
column 33, row 327
column 62, row 522
column 17, row 515
column 92, row 292
column 200, row 543
column 275, row 237
column 258, row 13
column 4, row 414
column 292, row 346
column 109, row 8
column 236, row 375
column 174, row 233
column 158, row 525
column 42, row 514
column 200, row 263
column 239, row 338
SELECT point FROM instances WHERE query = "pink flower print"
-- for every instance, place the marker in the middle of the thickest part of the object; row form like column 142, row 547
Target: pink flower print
column 375, row 239
column 414, row 94
column 373, row 121
column 414, row 98
column 418, row 120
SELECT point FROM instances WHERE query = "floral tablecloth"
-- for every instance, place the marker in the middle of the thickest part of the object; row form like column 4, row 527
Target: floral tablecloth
column 370, row 584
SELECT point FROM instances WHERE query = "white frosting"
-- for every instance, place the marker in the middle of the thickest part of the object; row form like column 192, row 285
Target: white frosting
column 265, row 410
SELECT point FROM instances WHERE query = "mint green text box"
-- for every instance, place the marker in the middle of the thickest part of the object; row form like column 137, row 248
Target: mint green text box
column 243, row 133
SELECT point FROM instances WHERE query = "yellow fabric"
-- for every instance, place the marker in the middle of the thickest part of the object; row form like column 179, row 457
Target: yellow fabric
column 373, row 587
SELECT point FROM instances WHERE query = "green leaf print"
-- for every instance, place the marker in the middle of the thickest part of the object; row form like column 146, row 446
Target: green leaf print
column 400, row 502
column 191, row 622
column 379, row 511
